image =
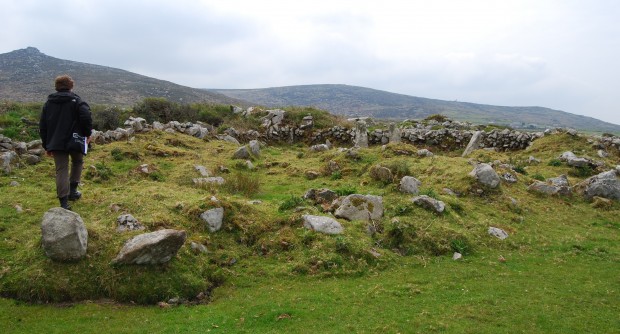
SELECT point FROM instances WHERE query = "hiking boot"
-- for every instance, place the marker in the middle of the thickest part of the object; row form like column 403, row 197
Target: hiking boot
column 64, row 203
column 74, row 194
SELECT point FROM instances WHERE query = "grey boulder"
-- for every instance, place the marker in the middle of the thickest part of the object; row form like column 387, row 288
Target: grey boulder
column 213, row 218
column 429, row 203
column 360, row 207
column 151, row 248
column 64, row 235
column 485, row 175
column 322, row 224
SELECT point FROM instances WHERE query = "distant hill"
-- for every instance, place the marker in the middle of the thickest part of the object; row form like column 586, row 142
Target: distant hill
column 27, row 75
column 359, row 101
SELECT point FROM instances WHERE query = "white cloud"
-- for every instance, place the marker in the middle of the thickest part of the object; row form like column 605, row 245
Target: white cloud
column 556, row 53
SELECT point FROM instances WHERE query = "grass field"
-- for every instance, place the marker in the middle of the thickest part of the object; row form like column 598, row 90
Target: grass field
column 557, row 272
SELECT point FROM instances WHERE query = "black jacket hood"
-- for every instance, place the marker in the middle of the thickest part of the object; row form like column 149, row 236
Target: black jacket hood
column 61, row 97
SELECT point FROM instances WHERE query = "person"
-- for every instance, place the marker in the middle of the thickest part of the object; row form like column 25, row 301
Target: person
column 64, row 113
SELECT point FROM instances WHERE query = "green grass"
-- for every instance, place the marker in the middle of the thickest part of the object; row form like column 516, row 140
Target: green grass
column 266, row 273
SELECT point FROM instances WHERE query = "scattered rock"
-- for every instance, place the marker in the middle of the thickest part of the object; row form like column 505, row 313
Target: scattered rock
column 151, row 248
column 204, row 181
column 202, row 170
column 498, row 233
column 128, row 222
column 429, row 203
column 425, row 153
column 198, row 248
column 604, row 185
column 322, row 224
column 320, row 196
column 14, row 184
column 410, row 185
column 382, row 174
column 457, row 256
column 601, row 203
column 255, row 148
column 64, row 235
column 213, row 218
column 510, row 178
column 486, row 175
column 360, row 207
column 311, row 174
column 242, row 153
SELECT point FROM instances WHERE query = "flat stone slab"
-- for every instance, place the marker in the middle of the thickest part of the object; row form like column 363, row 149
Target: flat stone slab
column 322, row 224
column 151, row 248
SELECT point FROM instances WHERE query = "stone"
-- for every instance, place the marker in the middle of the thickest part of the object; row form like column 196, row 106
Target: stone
column 498, row 233
column 548, row 189
column 457, row 256
column 14, row 184
column 205, row 181
column 605, row 185
column 510, row 178
column 7, row 161
column 395, row 134
column 128, row 222
column 151, row 248
column 255, row 147
column 486, row 175
column 425, row 153
column 242, row 153
column 410, row 185
column 213, row 218
column 198, row 248
column 429, row 203
column 229, row 139
column 382, row 174
column 322, row 224
column 31, row 159
column 320, row 196
column 360, row 207
column 202, row 170
column 311, row 175
column 474, row 143
column 361, row 135
column 64, row 235
column 319, row 148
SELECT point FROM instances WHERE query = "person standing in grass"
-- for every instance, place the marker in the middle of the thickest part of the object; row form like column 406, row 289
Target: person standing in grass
column 64, row 113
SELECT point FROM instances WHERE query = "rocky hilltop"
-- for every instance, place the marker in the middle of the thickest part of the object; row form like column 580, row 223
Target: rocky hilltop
column 27, row 75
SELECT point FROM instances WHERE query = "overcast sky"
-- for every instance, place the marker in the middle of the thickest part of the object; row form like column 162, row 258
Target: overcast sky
column 560, row 54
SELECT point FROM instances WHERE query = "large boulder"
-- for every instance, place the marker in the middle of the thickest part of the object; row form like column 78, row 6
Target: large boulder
column 255, row 147
column 213, row 218
column 322, row 224
column 553, row 186
column 485, row 175
column 360, row 207
column 410, row 185
column 242, row 153
column 151, row 248
column 604, row 185
column 64, row 235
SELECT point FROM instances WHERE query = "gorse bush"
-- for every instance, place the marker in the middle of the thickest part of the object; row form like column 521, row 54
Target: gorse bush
column 106, row 118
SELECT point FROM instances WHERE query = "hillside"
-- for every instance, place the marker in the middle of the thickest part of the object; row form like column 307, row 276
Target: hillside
column 265, row 270
column 355, row 101
column 27, row 75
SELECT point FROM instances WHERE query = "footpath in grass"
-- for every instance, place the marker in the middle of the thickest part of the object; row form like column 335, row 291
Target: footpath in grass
column 556, row 292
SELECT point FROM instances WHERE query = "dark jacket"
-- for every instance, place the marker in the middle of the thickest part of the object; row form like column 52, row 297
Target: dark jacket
column 59, row 113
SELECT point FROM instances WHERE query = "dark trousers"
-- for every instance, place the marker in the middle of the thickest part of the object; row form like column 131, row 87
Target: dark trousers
column 63, row 178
